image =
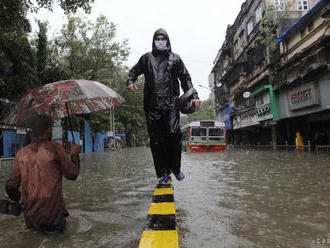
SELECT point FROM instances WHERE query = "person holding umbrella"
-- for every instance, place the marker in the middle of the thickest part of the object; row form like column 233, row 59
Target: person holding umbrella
column 38, row 169
column 162, row 70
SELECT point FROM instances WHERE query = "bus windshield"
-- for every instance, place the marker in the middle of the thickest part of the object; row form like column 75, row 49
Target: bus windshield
column 216, row 134
column 198, row 134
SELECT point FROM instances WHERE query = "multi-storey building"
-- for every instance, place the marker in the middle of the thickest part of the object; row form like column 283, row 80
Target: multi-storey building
column 246, row 63
column 302, row 81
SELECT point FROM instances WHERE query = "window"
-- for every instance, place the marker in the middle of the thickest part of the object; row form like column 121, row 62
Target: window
column 196, row 131
column 302, row 33
column 259, row 100
column 302, row 4
column 250, row 26
column 215, row 132
column 310, row 26
column 258, row 13
column 279, row 5
column 235, row 43
column 241, row 34
column 198, row 134
column 266, row 98
column 262, row 99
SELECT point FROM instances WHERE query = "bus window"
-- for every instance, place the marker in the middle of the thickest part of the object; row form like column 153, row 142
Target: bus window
column 198, row 134
column 216, row 134
column 197, row 131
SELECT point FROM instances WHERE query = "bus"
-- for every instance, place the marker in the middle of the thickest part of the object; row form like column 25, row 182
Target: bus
column 204, row 136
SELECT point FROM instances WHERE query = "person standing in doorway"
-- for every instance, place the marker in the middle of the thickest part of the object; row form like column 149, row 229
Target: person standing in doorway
column 162, row 70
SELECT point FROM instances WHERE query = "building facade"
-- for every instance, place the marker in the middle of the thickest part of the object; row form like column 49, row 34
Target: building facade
column 303, row 77
column 246, row 70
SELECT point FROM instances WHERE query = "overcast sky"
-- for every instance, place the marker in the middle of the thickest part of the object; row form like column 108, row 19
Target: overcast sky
column 196, row 28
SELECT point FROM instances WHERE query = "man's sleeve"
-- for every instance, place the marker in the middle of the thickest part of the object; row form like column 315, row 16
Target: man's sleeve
column 185, row 78
column 136, row 71
column 14, row 182
column 70, row 167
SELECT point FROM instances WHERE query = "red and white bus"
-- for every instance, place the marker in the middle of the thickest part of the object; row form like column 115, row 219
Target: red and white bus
column 204, row 136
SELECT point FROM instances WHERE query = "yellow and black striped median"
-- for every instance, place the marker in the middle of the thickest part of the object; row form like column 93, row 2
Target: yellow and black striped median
column 161, row 230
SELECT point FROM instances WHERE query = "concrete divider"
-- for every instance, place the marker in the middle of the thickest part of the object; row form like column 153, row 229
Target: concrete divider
column 161, row 230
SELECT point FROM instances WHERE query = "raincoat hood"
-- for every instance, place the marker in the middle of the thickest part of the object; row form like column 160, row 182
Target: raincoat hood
column 163, row 32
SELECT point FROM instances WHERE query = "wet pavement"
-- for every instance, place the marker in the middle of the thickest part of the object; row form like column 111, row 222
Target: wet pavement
column 236, row 198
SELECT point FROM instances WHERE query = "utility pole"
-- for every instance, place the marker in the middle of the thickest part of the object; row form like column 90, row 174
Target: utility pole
column 112, row 121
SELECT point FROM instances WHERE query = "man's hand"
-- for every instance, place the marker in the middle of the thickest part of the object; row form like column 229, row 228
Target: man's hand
column 73, row 149
column 197, row 102
column 132, row 87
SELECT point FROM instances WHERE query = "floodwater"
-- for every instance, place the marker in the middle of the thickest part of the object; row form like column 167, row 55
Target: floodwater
column 236, row 198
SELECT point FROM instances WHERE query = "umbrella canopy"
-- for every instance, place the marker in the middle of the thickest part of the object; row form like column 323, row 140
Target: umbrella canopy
column 64, row 98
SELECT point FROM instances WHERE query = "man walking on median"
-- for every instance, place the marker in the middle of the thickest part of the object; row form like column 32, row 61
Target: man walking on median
column 38, row 168
column 162, row 70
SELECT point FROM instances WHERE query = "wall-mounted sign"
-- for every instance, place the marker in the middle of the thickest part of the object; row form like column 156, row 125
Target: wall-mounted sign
column 21, row 131
column 264, row 112
column 304, row 96
column 248, row 118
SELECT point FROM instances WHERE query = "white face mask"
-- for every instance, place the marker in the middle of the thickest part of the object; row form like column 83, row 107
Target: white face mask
column 161, row 45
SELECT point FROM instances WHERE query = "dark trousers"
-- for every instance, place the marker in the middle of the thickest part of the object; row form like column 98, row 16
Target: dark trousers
column 55, row 229
column 165, row 140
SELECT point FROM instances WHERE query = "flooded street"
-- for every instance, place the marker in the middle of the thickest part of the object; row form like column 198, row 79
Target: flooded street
column 236, row 198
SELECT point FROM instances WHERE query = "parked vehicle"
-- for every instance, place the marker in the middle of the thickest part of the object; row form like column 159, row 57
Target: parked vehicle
column 203, row 136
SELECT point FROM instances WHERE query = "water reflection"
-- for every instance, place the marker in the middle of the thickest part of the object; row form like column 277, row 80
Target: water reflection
column 229, row 199
column 255, row 199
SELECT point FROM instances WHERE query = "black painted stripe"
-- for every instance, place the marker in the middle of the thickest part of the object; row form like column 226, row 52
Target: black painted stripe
column 162, row 198
column 160, row 186
column 161, row 222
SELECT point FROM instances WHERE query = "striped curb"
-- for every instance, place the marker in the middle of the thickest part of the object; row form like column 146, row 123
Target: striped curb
column 161, row 230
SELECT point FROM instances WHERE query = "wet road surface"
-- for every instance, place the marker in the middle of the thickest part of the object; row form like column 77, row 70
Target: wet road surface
column 235, row 198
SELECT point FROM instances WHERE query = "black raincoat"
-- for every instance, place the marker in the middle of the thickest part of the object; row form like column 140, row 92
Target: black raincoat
column 162, row 71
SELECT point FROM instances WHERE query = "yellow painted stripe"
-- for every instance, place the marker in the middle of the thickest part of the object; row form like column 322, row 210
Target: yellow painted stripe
column 162, row 208
column 159, row 239
column 163, row 191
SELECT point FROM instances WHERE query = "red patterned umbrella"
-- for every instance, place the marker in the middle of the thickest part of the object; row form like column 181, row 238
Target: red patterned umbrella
column 64, row 98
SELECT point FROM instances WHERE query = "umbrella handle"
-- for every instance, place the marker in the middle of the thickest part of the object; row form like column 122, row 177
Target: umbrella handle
column 70, row 123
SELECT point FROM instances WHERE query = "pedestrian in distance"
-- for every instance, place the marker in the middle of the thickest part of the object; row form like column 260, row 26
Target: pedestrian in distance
column 299, row 142
column 163, row 70
column 36, row 177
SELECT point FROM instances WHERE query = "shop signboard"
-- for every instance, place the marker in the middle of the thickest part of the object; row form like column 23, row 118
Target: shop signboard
column 264, row 112
column 303, row 96
column 245, row 119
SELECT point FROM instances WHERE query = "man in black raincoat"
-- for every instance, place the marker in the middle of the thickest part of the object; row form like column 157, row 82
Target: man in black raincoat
column 162, row 70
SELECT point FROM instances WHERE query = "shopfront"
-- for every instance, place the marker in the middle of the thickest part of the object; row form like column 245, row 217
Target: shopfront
column 306, row 108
